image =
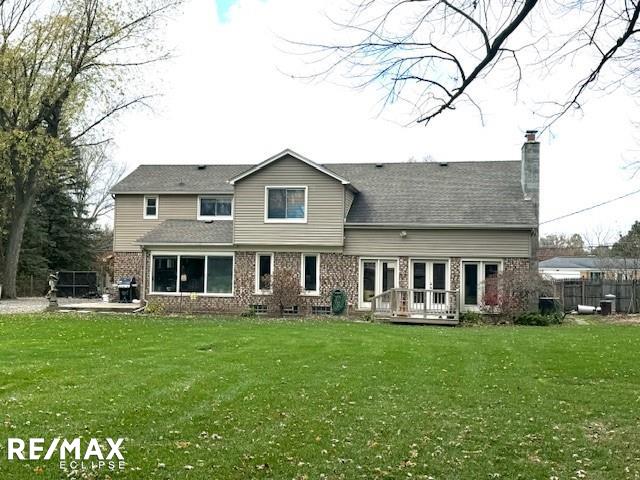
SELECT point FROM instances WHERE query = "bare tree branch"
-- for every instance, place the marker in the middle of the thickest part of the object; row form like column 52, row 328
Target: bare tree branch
column 432, row 52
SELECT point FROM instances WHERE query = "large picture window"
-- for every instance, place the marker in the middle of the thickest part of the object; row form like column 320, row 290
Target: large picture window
column 286, row 204
column 219, row 274
column 214, row 208
column 204, row 274
column 192, row 274
column 165, row 274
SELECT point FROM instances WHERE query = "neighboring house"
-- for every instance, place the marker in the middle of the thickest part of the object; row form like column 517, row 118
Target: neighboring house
column 590, row 268
column 206, row 235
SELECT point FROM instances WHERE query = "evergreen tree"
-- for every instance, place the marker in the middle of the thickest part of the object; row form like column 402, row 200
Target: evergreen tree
column 628, row 246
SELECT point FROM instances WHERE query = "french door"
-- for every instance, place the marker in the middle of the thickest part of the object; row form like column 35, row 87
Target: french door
column 376, row 276
column 429, row 275
column 478, row 284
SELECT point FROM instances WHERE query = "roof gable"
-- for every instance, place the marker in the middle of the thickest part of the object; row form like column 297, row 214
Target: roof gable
column 297, row 156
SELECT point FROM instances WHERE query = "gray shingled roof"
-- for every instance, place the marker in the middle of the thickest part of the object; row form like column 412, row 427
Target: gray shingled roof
column 590, row 263
column 190, row 231
column 179, row 179
column 460, row 193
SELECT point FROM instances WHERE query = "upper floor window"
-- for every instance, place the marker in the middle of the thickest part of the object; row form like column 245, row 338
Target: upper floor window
column 286, row 204
column 150, row 207
column 214, row 207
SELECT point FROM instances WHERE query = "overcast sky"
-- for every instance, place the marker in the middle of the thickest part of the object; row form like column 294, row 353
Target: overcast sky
column 226, row 100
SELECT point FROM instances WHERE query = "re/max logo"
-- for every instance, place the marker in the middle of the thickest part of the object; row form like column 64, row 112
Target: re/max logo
column 34, row 449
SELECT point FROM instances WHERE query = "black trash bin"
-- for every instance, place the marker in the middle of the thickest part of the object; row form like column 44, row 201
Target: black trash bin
column 606, row 307
column 127, row 289
column 548, row 305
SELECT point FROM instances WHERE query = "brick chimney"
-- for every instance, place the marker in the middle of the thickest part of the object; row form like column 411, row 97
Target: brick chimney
column 530, row 167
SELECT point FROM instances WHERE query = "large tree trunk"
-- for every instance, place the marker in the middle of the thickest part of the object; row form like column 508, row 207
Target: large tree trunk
column 18, row 220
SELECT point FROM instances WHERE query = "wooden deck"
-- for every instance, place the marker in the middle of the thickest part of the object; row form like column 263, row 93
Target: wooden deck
column 418, row 306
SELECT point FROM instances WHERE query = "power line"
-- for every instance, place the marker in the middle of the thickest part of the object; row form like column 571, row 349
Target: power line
column 591, row 207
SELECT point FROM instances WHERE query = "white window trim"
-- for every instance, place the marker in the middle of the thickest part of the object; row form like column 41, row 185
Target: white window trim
column 362, row 305
column 285, row 220
column 481, row 263
column 214, row 217
column 258, row 291
column 181, row 254
column 310, row 293
column 144, row 207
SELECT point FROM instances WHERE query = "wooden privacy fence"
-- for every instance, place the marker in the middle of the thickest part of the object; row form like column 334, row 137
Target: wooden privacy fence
column 572, row 293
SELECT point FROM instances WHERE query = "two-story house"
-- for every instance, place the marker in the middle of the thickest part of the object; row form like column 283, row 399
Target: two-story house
column 211, row 233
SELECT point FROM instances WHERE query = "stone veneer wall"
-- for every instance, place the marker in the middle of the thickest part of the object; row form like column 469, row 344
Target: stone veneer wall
column 336, row 271
column 520, row 265
column 127, row 264
column 454, row 280
column 403, row 272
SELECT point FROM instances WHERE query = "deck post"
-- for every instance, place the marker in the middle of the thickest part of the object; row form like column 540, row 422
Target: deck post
column 393, row 302
column 424, row 306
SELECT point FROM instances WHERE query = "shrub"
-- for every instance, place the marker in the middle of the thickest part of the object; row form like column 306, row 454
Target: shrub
column 472, row 318
column 368, row 317
column 249, row 313
column 511, row 294
column 538, row 319
column 154, row 308
column 285, row 288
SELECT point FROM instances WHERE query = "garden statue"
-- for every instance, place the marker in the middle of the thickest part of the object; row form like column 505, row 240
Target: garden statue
column 52, row 295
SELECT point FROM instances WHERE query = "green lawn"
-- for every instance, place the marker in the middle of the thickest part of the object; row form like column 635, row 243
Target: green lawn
column 206, row 398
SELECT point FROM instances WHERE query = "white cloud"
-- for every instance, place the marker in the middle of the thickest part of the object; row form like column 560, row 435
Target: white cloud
column 225, row 101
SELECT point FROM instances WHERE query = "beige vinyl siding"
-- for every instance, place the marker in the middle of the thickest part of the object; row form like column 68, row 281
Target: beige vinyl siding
column 129, row 224
column 289, row 248
column 325, row 207
column 438, row 243
column 348, row 201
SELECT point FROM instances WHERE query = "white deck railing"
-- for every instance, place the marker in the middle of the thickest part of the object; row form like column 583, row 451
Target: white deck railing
column 416, row 303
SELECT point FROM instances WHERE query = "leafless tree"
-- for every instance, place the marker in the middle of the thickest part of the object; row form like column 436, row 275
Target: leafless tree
column 431, row 53
column 98, row 173
column 285, row 290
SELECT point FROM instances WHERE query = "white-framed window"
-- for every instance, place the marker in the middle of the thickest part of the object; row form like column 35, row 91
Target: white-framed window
column 477, row 285
column 151, row 206
column 285, row 204
column 208, row 274
column 215, row 207
column 264, row 270
column 310, row 273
